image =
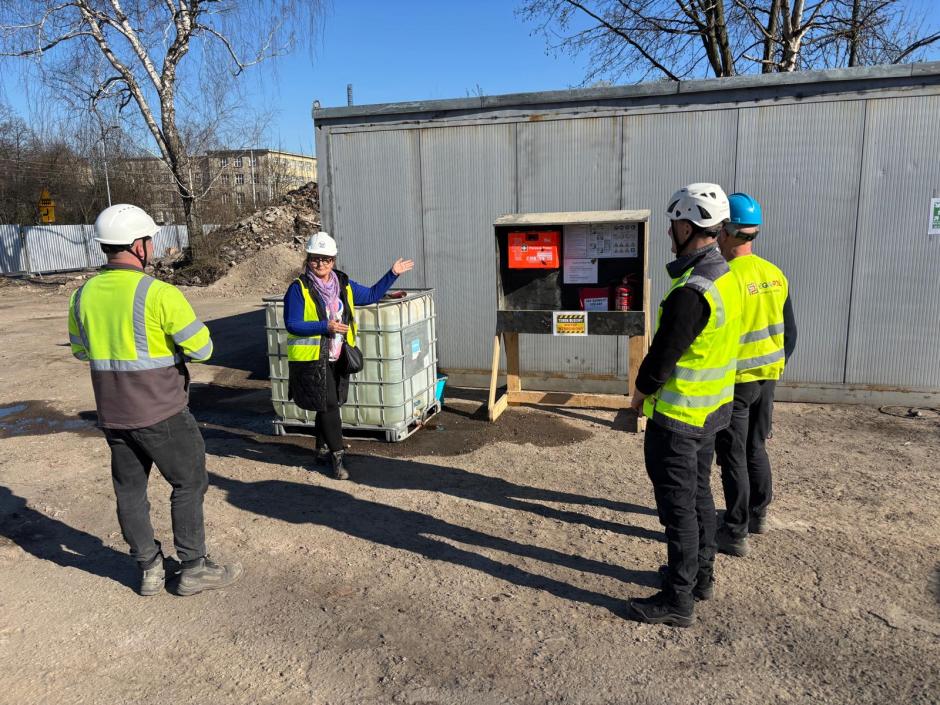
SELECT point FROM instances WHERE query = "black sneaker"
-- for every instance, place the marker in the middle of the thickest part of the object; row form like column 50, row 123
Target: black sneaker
column 661, row 608
column 732, row 545
column 206, row 574
column 322, row 456
column 757, row 523
column 704, row 585
column 153, row 576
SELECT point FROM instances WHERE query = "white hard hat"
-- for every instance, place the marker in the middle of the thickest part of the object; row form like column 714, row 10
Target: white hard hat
column 321, row 244
column 704, row 204
column 123, row 223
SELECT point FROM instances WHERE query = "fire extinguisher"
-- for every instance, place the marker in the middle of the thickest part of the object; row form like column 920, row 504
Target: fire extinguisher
column 623, row 295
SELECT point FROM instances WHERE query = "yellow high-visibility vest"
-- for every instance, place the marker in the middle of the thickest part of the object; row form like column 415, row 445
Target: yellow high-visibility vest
column 307, row 349
column 764, row 292
column 703, row 380
column 123, row 320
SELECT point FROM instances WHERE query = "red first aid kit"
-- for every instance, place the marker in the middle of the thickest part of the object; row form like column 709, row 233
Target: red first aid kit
column 534, row 249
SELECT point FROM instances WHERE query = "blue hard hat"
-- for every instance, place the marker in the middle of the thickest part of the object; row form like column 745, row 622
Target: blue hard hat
column 744, row 209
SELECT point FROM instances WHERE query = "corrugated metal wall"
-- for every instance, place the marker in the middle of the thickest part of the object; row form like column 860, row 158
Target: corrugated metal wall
column 12, row 257
column 895, row 324
column 845, row 185
column 43, row 249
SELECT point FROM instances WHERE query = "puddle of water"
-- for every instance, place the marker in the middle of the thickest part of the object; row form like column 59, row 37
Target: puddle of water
column 8, row 410
column 38, row 418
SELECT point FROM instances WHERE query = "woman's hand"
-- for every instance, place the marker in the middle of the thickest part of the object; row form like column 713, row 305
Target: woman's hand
column 402, row 265
column 337, row 327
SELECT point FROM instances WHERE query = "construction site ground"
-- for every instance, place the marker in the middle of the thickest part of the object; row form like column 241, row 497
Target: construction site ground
column 472, row 563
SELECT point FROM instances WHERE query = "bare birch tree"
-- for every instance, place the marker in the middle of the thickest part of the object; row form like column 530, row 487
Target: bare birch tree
column 677, row 39
column 135, row 53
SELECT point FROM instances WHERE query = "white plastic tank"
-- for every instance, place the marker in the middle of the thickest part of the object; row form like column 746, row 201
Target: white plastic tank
column 396, row 389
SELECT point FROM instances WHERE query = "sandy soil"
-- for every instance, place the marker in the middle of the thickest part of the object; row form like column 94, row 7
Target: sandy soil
column 469, row 564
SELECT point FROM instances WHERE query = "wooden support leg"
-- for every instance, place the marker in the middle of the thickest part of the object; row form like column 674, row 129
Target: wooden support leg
column 513, row 378
column 495, row 408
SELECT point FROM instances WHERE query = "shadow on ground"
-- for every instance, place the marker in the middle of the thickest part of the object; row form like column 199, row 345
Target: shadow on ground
column 303, row 503
column 53, row 540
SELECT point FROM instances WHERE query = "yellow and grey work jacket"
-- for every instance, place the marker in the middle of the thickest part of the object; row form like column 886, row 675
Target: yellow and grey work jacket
column 764, row 291
column 136, row 333
column 696, row 399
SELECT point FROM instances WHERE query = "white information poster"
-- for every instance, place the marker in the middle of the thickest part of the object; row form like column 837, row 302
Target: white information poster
column 613, row 240
column 569, row 323
column 576, row 241
column 933, row 230
column 580, row 271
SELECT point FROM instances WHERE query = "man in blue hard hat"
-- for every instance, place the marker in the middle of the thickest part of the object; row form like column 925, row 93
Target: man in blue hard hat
column 768, row 336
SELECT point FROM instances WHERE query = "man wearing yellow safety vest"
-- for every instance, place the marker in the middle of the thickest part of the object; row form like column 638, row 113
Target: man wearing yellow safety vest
column 136, row 333
column 768, row 337
column 685, row 385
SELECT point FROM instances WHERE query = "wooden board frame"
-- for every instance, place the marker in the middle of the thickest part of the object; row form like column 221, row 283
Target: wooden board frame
column 512, row 322
column 515, row 395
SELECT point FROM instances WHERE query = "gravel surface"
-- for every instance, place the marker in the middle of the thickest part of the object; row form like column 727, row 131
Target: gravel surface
column 470, row 564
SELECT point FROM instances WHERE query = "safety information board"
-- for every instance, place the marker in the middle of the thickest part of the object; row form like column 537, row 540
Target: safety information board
column 600, row 240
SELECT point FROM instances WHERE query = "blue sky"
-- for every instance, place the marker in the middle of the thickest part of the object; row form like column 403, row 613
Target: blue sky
column 414, row 50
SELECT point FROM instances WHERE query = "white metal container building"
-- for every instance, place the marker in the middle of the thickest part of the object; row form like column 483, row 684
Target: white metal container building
column 844, row 162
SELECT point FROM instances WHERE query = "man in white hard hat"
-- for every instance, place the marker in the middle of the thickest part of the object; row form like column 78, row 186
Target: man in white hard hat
column 685, row 386
column 136, row 333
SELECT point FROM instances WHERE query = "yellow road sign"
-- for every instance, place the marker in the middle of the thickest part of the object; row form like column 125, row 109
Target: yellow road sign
column 46, row 207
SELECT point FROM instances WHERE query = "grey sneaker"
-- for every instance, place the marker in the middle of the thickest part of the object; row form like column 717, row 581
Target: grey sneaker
column 207, row 575
column 757, row 524
column 153, row 578
column 729, row 544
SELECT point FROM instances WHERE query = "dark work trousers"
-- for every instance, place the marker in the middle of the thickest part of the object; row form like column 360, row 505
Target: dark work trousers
column 680, row 469
column 328, row 424
column 179, row 452
column 745, row 467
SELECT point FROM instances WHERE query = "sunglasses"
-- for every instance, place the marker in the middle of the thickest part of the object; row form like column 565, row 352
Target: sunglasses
column 322, row 260
column 735, row 231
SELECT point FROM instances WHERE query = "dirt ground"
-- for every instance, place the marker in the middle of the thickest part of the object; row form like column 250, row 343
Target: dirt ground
column 469, row 564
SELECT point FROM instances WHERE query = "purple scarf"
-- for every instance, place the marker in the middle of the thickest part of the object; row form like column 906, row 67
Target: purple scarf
column 328, row 292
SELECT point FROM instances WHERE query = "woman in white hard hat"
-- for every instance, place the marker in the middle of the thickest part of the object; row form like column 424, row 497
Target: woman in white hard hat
column 319, row 313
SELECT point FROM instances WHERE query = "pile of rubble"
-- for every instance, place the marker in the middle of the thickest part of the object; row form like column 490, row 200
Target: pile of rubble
column 289, row 221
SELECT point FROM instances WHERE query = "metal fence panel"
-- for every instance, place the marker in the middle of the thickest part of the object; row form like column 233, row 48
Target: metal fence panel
column 467, row 182
column 43, row 249
column 895, row 294
column 12, row 256
column 56, row 248
column 377, row 203
column 168, row 236
column 569, row 165
column 802, row 163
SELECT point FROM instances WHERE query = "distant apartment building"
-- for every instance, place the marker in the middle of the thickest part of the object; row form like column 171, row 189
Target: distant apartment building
column 230, row 182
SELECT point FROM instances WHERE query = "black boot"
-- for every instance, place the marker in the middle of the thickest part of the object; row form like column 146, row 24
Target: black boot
column 339, row 468
column 757, row 523
column 704, row 583
column 665, row 607
column 730, row 544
